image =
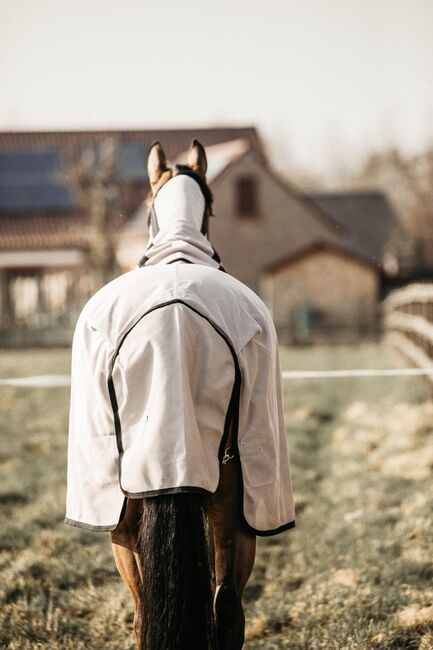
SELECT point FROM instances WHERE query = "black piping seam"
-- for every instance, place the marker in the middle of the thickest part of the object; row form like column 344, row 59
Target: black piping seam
column 215, row 256
column 273, row 531
column 183, row 259
column 180, row 259
column 144, row 259
column 231, row 418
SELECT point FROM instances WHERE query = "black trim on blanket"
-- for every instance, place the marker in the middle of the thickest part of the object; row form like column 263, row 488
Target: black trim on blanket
column 158, row 493
column 180, row 259
column 215, row 257
column 190, row 489
column 98, row 529
column 232, row 417
column 144, row 259
column 273, row 531
column 95, row 529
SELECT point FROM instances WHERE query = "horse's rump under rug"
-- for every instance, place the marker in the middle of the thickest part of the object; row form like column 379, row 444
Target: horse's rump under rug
column 168, row 361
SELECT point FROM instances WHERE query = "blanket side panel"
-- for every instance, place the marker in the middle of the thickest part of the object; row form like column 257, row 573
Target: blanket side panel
column 268, row 495
column 94, row 498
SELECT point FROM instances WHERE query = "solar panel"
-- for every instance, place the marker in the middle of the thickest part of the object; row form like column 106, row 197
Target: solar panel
column 18, row 198
column 33, row 179
column 132, row 160
column 30, row 161
column 36, row 179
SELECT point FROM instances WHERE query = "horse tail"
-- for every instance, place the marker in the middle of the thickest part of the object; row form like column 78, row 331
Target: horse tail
column 177, row 595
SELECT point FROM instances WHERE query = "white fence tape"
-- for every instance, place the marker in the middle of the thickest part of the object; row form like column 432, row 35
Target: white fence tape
column 357, row 372
column 38, row 380
column 48, row 381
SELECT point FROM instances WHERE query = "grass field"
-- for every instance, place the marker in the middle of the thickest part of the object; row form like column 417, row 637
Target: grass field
column 356, row 573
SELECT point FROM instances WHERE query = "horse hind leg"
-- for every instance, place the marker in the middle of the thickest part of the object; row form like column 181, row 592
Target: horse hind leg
column 229, row 616
column 124, row 545
column 234, row 559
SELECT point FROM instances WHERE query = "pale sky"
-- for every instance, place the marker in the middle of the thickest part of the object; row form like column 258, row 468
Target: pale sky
column 327, row 79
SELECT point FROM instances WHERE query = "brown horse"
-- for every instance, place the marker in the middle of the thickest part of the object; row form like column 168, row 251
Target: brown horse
column 186, row 558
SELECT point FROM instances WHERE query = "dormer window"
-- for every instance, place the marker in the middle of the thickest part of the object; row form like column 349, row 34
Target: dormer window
column 247, row 197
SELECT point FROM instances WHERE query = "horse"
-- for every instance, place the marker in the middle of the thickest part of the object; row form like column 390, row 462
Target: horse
column 185, row 544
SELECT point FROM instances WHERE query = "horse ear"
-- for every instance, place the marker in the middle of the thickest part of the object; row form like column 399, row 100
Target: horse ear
column 197, row 159
column 156, row 164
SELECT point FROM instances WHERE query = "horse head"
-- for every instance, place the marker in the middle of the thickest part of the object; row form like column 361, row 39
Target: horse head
column 179, row 191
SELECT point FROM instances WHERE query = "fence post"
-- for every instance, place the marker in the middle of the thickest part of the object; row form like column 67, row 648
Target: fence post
column 409, row 322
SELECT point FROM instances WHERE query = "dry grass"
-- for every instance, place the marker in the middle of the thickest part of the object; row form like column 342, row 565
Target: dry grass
column 356, row 573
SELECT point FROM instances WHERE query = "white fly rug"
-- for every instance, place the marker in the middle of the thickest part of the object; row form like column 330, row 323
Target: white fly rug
column 168, row 361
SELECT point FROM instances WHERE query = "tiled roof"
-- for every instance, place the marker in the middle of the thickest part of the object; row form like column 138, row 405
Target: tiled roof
column 42, row 231
column 319, row 246
column 174, row 141
column 34, row 179
column 33, row 215
column 366, row 219
column 47, row 231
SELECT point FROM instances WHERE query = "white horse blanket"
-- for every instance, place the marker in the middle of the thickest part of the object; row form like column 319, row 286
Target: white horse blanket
column 170, row 361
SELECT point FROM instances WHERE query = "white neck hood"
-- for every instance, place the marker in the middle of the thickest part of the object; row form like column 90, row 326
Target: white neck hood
column 179, row 208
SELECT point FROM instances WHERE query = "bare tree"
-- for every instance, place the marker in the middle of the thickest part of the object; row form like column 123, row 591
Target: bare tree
column 99, row 188
column 7, row 307
column 408, row 181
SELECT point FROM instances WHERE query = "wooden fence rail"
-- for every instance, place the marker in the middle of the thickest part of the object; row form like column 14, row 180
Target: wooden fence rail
column 408, row 315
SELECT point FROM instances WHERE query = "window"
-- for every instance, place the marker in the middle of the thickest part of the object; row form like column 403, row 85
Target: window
column 247, row 197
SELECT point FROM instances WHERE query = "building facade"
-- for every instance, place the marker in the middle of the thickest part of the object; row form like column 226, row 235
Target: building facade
column 297, row 251
column 323, row 293
column 260, row 220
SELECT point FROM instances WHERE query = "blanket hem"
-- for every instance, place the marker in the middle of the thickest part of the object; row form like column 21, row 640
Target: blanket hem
column 155, row 493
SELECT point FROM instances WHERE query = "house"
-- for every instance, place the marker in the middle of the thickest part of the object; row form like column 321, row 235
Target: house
column 257, row 219
column 369, row 224
column 297, row 251
column 323, row 292
column 45, row 234
column 332, row 291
